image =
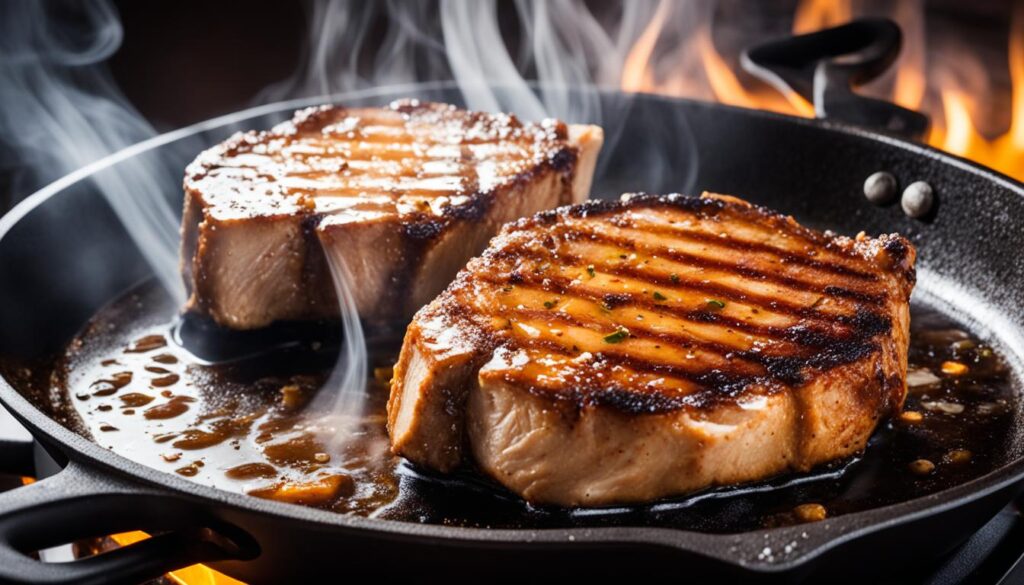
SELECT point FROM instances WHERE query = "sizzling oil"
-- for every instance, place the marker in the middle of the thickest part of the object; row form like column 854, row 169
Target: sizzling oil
column 240, row 425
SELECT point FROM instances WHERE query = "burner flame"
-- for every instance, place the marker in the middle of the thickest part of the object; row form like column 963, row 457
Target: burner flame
column 965, row 93
column 956, row 90
column 194, row 575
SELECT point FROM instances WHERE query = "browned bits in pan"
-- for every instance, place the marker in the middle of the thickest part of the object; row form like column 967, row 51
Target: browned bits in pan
column 108, row 386
column 957, row 457
column 147, row 343
column 170, row 409
column 189, row 470
column 292, row 397
column 164, row 437
column 922, row 466
column 104, row 390
column 164, row 381
column 911, row 416
column 225, row 416
column 198, row 439
column 136, row 399
column 810, row 512
column 251, row 471
column 220, row 431
column 302, row 447
column 951, row 368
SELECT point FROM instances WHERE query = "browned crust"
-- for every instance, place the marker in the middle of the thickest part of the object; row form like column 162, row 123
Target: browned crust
column 809, row 355
column 842, row 341
column 653, row 455
column 449, row 375
column 558, row 156
column 418, row 232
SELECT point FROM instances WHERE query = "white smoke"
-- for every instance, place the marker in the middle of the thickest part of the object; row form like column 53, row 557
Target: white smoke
column 346, row 385
column 61, row 110
column 537, row 59
column 534, row 58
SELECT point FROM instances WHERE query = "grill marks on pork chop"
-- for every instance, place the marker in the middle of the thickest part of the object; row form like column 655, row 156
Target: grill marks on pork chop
column 742, row 314
column 385, row 186
column 677, row 309
column 412, row 159
column 407, row 160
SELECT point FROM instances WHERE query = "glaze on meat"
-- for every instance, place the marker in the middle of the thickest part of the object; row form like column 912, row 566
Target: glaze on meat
column 404, row 195
column 624, row 351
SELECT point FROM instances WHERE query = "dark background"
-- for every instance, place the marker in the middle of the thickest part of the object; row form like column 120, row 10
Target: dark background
column 183, row 61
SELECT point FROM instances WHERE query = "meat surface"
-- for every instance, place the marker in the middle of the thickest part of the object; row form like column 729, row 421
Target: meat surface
column 617, row 352
column 400, row 196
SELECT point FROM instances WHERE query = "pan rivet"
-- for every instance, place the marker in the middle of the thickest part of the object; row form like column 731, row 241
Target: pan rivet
column 880, row 188
column 917, row 199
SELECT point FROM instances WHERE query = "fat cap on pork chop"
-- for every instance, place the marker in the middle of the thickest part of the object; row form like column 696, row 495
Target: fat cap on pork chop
column 616, row 352
column 404, row 194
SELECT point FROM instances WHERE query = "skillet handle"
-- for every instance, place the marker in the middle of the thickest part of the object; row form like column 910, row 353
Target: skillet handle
column 823, row 67
column 80, row 502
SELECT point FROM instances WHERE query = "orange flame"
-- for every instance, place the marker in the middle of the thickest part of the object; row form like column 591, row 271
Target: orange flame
column 1016, row 132
column 812, row 15
column 194, row 575
column 949, row 101
column 717, row 77
column 729, row 90
column 958, row 133
column 636, row 70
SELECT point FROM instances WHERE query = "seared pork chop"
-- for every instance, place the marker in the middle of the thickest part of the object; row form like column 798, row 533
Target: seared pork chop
column 405, row 195
column 616, row 352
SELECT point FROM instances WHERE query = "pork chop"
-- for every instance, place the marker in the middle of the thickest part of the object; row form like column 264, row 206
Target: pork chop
column 616, row 352
column 404, row 195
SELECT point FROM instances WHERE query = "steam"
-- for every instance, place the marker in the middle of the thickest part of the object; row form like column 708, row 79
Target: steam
column 564, row 53
column 345, row 399
column 534, row 58
column 61, row 111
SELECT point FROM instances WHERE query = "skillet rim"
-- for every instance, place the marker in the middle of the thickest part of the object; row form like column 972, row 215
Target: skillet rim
column 821, row 537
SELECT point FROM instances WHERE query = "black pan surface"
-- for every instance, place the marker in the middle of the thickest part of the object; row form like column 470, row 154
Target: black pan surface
column 64, row 255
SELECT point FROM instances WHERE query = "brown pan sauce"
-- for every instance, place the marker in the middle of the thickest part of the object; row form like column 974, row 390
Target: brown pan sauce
column 243, row 426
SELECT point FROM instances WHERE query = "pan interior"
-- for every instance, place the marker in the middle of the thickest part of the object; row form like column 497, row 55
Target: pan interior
column 68, row 257
column 240, row 426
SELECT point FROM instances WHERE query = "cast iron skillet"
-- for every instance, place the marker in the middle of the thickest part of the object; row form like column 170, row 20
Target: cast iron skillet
column 63, row 255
